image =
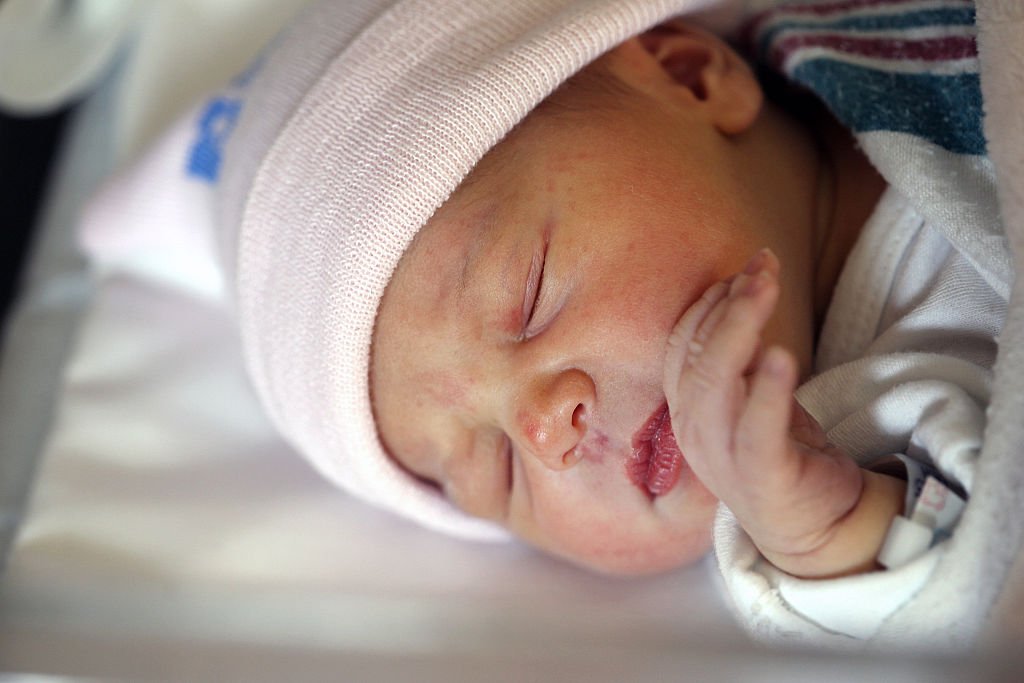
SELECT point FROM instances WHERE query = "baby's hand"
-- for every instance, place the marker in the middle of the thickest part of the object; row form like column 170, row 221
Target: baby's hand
column 807, row 506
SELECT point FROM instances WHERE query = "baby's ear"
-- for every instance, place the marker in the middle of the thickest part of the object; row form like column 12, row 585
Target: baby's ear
column 703, row 71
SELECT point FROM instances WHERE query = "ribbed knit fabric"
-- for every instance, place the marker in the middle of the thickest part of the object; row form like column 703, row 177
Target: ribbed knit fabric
column 359, row 123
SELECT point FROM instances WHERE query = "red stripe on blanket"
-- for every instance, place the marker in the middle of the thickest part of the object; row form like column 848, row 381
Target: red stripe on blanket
column 847, row 5
column 928, row 49
column 754, row 25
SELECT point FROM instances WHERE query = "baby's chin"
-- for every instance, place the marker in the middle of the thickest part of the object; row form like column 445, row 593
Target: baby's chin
column 640, row 559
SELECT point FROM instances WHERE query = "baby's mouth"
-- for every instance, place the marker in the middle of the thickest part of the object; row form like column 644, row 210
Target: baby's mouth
column 655, row 462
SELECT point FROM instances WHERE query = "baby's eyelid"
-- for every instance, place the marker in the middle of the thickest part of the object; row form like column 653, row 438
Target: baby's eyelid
column 534, row 285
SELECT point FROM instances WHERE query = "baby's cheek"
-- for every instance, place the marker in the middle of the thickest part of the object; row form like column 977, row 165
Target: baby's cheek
column 583, row 527
column 625, row 326
column 606, row 550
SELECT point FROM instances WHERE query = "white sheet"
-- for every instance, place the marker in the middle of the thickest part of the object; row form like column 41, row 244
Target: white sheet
column 166, row 512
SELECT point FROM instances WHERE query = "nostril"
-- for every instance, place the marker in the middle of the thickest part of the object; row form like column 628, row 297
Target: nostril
column 571, row 457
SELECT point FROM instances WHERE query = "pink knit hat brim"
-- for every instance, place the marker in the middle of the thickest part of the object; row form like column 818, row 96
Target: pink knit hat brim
column 360, row 122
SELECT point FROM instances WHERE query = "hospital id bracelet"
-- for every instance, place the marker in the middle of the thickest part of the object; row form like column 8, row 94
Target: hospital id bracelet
column 932, row 515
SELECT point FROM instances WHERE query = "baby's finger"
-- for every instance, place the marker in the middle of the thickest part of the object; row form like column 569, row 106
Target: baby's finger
column 765, row 259
column 685, row 330
column 735, row 338
column 700, row 338
column 763, row 428
column 707, row 397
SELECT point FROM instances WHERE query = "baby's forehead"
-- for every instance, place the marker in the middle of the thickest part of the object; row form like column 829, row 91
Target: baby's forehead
column 452, row 242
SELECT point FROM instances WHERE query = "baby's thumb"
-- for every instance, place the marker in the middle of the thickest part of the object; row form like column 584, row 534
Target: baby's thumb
column 804, row 429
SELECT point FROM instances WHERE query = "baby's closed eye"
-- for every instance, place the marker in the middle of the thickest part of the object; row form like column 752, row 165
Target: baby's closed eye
column 532, row 294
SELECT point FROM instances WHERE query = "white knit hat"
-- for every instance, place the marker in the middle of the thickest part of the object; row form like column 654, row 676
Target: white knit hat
column 359, row 123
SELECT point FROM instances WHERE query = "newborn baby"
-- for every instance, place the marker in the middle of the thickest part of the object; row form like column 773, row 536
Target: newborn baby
column 560, row 269
column 556, row 327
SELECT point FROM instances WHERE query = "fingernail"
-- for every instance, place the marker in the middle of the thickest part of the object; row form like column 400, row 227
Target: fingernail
column 776, row 363
column 715, row 290
column 756, row 262
column 755, row 284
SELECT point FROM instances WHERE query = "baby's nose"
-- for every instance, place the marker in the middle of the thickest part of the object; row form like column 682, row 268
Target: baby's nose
column 552, row 417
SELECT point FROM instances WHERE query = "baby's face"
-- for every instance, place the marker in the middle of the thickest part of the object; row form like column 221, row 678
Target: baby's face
column 519, row 350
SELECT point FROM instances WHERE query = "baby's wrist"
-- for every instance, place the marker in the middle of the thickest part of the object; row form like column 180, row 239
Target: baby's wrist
column 853, row 542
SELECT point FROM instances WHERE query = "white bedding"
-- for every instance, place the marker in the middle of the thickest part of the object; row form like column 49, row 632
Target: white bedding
column 171, row 532
column 167, row 517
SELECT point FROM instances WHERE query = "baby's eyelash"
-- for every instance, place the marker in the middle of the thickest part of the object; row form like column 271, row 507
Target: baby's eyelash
column 509, row 473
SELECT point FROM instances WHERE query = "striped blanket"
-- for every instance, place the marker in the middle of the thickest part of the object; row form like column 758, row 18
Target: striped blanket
column 897, row 65
column 933, row 91
column 903, row 75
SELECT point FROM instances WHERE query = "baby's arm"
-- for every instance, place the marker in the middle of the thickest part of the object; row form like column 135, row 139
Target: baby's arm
column 807, row 506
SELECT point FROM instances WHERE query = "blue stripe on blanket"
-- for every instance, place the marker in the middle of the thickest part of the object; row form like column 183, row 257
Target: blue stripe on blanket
column 960, row 16
column 945, row 110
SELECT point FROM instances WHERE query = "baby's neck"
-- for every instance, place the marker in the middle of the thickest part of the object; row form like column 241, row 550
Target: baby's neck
column 849, row 189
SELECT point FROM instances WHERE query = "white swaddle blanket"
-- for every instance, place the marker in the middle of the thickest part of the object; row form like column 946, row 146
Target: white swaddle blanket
column 158, row 220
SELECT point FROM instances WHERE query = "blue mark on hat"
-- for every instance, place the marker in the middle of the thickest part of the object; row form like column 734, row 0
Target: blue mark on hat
column 215, row 124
